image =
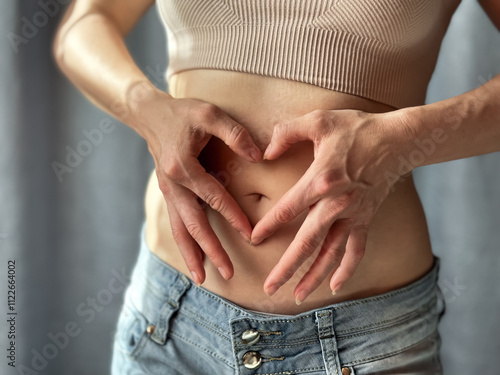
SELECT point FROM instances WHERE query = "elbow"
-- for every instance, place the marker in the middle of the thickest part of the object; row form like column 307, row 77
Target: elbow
column 58, row 43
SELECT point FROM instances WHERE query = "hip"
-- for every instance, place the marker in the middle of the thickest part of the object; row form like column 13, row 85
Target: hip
column 168, row 325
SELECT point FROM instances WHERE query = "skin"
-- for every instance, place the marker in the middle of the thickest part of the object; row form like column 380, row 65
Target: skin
column 349, row 186
column 391, row 260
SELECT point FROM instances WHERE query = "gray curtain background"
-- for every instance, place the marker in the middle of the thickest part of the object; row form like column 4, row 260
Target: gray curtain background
column 74, row 236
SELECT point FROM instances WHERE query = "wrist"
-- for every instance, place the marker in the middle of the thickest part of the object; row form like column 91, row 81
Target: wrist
column 142, row 102
column 395, row 145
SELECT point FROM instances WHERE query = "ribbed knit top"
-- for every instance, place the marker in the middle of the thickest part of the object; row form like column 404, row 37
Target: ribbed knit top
column 384, row 50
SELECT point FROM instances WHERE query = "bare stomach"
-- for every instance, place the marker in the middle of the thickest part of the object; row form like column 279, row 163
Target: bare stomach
column 398, row 249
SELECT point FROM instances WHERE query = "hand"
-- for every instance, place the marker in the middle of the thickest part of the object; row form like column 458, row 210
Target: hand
column 343, row 188
column 176, row 132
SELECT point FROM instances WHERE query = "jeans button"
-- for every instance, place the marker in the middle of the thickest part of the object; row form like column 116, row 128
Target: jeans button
column 346, row 370
column 250, row 337
column 252, row 360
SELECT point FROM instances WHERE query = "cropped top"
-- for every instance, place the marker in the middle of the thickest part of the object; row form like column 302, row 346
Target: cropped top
column 383, row 50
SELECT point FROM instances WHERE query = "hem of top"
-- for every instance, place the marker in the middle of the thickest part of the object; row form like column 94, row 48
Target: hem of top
column 397, row 102
column 307, row 82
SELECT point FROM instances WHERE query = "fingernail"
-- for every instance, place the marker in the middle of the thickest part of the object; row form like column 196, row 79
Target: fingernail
column 266, row 154
column 335, row 289
column 195, row 278
column 246, row 237
column 301, row 296
column 272, row 289
column 224, row 273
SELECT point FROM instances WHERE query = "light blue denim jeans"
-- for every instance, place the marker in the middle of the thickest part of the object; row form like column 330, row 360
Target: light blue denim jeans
column 169, row 326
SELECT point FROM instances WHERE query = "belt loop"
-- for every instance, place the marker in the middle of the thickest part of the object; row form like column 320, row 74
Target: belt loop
column 171, row 305
column 328, row 340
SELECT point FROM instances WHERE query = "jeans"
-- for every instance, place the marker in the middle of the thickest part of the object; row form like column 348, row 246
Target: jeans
column 167, row 325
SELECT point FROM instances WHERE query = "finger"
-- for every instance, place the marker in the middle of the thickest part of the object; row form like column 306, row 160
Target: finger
column 196, row 223
column 289, row 132
column 328, row 259
column 190, row 251
column 206, row 186
column 310, row 235
column 355, row 250
column 290, row 205
column 237, row 137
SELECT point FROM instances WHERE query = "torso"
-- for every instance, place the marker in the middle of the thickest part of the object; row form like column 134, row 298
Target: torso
column 398, row 250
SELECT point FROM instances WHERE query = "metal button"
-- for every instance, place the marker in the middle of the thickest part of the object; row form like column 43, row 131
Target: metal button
column 346, row 370
column 252, row 360
column 250, row 337
column 150, row 329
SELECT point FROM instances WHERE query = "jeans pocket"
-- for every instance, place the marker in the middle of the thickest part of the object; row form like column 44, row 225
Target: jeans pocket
column 131, row 331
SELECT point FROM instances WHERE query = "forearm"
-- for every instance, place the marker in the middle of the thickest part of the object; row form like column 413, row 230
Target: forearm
column 460, row 127
column 92, row 54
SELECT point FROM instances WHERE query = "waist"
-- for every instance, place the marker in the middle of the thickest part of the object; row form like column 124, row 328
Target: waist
column 379, row 326
column 398, row 249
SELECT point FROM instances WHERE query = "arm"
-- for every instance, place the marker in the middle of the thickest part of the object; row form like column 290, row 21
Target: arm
column 358, row 158
column 463, row 126
column 89, row 48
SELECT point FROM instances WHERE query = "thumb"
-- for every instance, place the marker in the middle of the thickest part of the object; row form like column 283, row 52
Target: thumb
column 286, row 134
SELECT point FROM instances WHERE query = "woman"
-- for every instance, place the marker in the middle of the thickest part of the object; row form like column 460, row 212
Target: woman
column 300, row 221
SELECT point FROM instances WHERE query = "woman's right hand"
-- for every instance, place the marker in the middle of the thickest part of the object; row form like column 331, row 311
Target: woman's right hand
column 176, row 131
column 89, row 48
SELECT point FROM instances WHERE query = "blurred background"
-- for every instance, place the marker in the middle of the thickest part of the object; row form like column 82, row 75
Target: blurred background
column 71, row 209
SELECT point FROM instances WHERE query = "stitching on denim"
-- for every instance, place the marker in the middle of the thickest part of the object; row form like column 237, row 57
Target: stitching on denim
column 431, row 274
column 266, row 358
column 261, row 345
column 386, row 355
column 294, row 372
column 145, row 282
column 414, row 285
column 268, row 333
column 202, row 322
column 214, row 354
column 139, row 319
column 271, row 320
column 173, row 270
column 221, row 301
column 399, row 319
column 134, row 353
column 142, row 365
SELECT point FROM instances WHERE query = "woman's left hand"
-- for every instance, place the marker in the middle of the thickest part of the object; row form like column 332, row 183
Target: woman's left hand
column 355, row 166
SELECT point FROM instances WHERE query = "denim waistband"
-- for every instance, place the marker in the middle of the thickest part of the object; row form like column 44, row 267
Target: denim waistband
column 347, row 331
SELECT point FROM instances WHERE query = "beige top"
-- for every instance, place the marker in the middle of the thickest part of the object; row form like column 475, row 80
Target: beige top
column 384, row 50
